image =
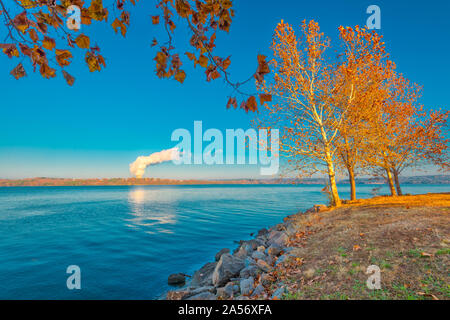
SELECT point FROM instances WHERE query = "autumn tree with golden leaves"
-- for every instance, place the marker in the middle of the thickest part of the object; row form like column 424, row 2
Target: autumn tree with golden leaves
column 402, row 134
column 355, row 113
column 422, row 142
column 360, row 70
column 302, row 88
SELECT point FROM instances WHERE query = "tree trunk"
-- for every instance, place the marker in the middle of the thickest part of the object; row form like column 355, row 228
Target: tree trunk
column 391, row 182
column 336, row 201
column 351, row 177
column 397, row 182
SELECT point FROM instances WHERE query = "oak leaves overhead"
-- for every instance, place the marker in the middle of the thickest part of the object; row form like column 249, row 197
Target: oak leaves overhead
column 37, row 30
column 205, row 19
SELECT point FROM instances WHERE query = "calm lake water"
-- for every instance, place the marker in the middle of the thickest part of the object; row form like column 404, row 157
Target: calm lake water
column 127, row 240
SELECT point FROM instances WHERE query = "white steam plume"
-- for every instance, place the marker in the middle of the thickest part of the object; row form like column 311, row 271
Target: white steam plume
column 137, row 168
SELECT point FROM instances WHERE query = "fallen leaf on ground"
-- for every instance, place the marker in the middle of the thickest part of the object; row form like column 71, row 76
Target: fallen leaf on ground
column 432, row 296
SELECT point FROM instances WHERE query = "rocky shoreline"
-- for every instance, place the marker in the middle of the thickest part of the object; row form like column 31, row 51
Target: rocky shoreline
column 244, row 273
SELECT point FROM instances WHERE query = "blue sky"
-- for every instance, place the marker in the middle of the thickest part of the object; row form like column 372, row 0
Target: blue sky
column 108, row 118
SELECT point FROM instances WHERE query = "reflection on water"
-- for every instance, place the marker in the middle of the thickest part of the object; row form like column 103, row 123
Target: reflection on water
column 147, row 212
column 137, row 196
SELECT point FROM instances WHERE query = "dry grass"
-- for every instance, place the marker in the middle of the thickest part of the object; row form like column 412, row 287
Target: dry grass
column 421, row 200
column 408, row 237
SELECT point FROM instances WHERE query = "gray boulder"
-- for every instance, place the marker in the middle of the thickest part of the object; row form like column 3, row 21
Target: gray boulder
column 227, row 268
column 246, row 247
column 274, row 250
column 203, row 277
column 281, row 259
column 284, row 258
column 176, row 279
column 233, row 286
column 291, row 229
column 277, row 237
column 221, row 252
column 195, row 291
column 228, row 291
column 265, row 279
column 247, row 286
column 279, row 293
column 177, row 295
column 250, row 271
column 259, row 290
column 224, row 293
column 254, row 243
column 189, row 292
column 278, row 227
column 203, row 296
column 264, row 266
column 262, row 232
column 249, row 261
column 243, row 251
column 258, row 255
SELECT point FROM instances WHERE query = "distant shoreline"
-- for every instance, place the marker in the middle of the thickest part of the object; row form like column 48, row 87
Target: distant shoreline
column 64, row 182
